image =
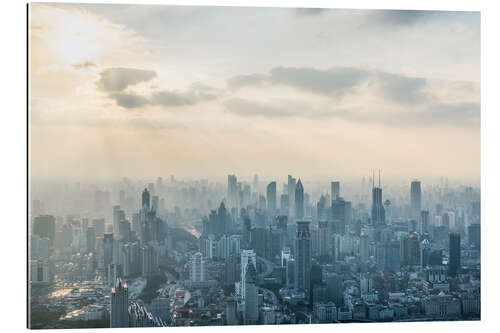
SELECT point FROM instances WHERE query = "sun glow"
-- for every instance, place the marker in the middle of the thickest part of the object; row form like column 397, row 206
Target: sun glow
column 77, row 42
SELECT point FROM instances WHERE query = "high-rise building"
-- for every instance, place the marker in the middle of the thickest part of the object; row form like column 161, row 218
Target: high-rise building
column 118, row 215
column 231, row 311
column 378, row 211
column 454, row 262
column 155, row 202
column 91, row 239
column 232, row 191
column 364, row 251
column 335, row 190
column 474, row 235
column 335, row 289
column 107, row 244
column 323, row 240
column 424, row 222
column 119, row 305
column 388, row 256
column 99, row 227
column 149, row 260
column 341, row 215
column 291, row 196
column 315, row 278
column 247, row 257
column 146, row 200
column 271, row 197
column 302, row 256
column 284, row 202
column 388, row 211
column 197, row 272
column 425, row 253
column 251, row 296
column 415, row 200
column 45, row 226
column 260, row 241
column 410, row 250
column 299, row 201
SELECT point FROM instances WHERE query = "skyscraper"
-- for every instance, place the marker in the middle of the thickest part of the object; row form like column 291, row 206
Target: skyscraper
column 197, row 271
column 146, row 200
column 335, row 289
column 340, row 215
column 232, row 191
column 45, row 226
column 335, row 190
column 415, row 200
column 378, row 211
column 251, row 295
column 454, row 262
column 291, row 196
column 323, row 240
column 247, row 257
column 302, row 256
column 474, row 235
column 91, row 239
column 118, row 215
column 155, row 203
column 316, row 277
column 424, row 222
column 107, row 244
column 119, row 305
column 299, row 200
column 271, row 197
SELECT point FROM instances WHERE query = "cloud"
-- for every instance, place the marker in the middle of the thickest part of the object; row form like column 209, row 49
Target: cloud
column 240, row 81
column 118, row 79
column 338, row 81
column 333, row 82
column 197, row 92
column 440, row 114
column 402, row 89
column 401, row 17
column 84, row 65
column 309, row 11
column 129, row 100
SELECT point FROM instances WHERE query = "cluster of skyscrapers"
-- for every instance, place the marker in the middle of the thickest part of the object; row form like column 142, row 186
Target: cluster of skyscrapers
column 252, row 254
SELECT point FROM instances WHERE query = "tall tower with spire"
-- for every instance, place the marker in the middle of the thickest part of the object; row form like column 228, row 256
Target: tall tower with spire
column 299, row 200
column 119, row 305
column 378, row 211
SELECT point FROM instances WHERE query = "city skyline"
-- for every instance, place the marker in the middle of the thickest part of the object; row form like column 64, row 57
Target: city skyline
column 131, row 94
column 212, row 166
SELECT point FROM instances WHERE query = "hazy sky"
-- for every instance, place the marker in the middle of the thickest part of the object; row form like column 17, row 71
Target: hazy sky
column 122, row 90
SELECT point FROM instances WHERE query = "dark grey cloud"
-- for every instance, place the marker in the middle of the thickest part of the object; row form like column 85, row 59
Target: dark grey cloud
column 338, row 81
column 84, row 65
column 118, row 79
column 334, row 82
column 407, row 18
column 402, row 89
column 309, row 11
column 197, row 92
column 129, row 101
column 402, row 17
